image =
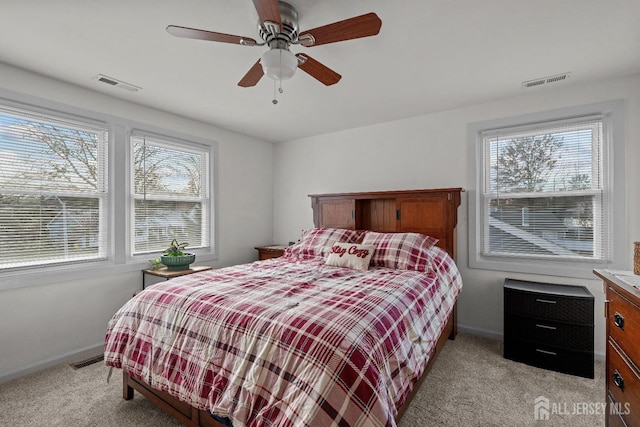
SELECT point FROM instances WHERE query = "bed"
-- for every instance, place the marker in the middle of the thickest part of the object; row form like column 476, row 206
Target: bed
column 312, row 338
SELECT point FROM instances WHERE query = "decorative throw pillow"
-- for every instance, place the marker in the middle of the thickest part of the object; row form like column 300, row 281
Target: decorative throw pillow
column 403, row 251
column 318, row 241
column 350, row 255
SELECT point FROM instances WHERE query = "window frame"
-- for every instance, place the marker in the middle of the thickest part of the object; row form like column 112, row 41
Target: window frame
column 613, row 192
column 102, row 194
column 174, row 141
column 118, row 259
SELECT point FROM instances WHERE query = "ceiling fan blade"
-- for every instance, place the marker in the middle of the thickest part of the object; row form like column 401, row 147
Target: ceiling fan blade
column 192, row 33
column 253, row 76
column 320, row 72
column 352, row 28
column 268, row 11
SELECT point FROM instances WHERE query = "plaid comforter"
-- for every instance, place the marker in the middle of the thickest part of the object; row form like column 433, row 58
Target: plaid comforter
column 287, row 341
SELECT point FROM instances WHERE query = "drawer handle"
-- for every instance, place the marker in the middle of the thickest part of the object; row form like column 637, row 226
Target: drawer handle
column 550, row 353
column 546, row 301
column 546, row 327
column 618, row 320
column 618, row 380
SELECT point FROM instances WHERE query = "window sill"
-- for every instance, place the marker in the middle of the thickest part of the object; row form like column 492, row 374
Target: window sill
column 58, row 274
column 574, row 269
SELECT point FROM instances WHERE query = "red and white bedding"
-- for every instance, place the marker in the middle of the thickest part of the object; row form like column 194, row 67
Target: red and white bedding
column 288, row 341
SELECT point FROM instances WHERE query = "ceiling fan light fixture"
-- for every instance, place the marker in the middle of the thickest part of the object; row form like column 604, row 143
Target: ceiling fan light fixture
column 279, row 64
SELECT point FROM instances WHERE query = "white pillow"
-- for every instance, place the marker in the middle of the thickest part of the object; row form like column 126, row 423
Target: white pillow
column 350, row 255
column 318, row 241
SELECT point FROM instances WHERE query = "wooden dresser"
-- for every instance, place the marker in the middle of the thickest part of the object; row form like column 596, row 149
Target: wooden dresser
column 549, row 326
column 622, row 310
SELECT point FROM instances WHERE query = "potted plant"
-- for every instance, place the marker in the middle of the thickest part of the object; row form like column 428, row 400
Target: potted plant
column 175, row 258
column 155, row 263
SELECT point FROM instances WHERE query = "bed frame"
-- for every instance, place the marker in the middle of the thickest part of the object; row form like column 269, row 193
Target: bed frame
column 432, row 212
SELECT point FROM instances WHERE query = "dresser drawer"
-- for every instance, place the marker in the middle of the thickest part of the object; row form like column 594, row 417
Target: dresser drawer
column 612, row 414
column 549, row 332
column 624, row 323
column 623, row 384
column 550, row 357
column 549, row 306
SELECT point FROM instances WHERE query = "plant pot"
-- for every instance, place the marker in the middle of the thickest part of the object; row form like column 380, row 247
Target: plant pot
column 175, row 263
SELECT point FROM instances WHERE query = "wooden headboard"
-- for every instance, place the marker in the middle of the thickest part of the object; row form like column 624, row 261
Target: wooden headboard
column 432, row 212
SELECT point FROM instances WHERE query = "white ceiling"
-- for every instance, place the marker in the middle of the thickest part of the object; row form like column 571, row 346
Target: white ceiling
column 430, row 55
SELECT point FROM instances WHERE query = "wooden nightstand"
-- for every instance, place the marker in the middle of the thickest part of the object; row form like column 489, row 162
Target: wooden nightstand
column 267, row 252
column 166, row 274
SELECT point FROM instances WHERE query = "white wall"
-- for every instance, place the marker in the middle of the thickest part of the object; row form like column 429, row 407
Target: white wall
column 262, row 198
column 431, row 151
column 43, row 324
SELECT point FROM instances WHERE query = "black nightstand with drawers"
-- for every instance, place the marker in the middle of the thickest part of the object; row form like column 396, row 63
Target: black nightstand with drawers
column 549, row 326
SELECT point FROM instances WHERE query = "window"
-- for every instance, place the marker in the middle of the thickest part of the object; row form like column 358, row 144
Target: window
column 542, row 192
column 543, row 200
column 81, row 195
column 53, row 190
column 170, row 193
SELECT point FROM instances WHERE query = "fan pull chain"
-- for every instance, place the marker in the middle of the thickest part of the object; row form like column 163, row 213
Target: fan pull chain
column 275, row 101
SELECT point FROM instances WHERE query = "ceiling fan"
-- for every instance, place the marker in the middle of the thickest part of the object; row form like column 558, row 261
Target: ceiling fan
column 278, row 28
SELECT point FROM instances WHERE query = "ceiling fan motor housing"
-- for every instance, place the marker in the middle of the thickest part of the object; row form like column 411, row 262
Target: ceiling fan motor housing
column 270, row 30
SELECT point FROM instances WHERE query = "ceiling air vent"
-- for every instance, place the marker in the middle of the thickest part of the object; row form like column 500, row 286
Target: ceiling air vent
column 117, row 83
column 545, row 80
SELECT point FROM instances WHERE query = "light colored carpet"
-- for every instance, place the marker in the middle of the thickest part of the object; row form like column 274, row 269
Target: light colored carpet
column 471, row 384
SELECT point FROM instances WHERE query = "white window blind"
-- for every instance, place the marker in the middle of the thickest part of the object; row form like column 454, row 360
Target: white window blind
column 543, row 191
column 171, row 196
column 53, row 190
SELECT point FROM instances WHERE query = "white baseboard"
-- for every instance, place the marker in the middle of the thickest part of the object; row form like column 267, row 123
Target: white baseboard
column 480, row 332
column 72, row 356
